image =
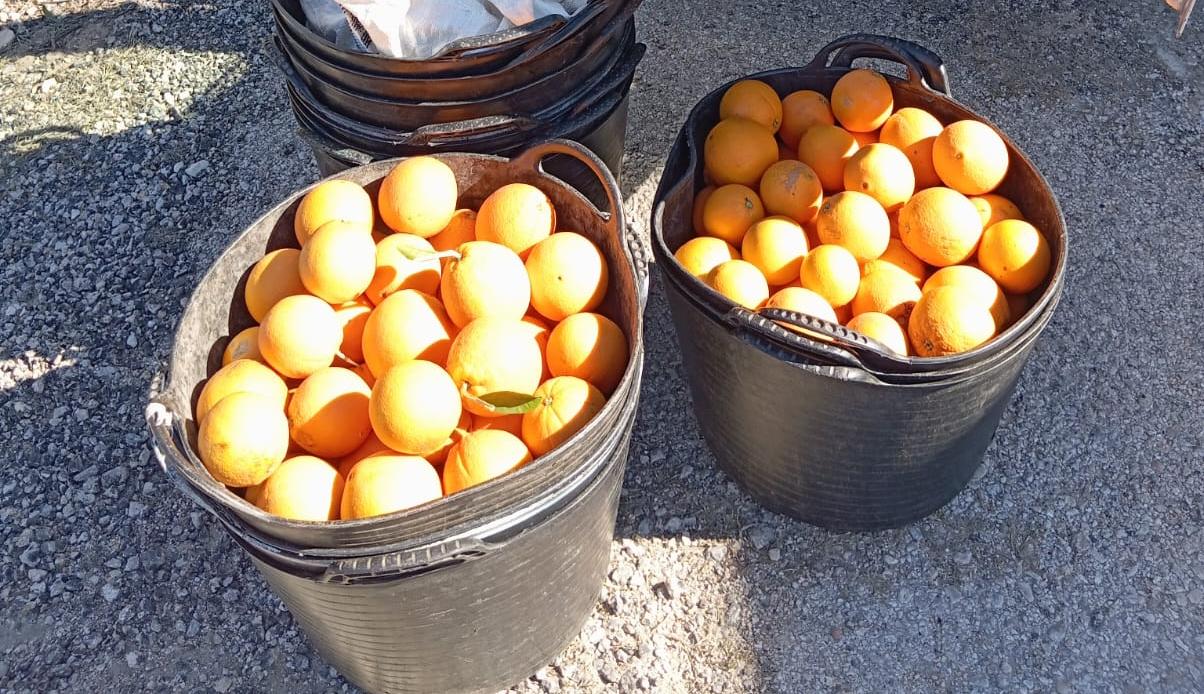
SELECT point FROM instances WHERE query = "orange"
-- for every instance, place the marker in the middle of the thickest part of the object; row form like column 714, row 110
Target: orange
column 591, row 347
column 397, row 269
column 568, row 275
column 812, row 234
column 418, row 196
column 883, row 328
column 701, row 255
column 826, row 149
column 488, row 279
column 855, row 221
column 517, row 216
column 540, row 331
column 882, row 172
column 491, row 355
column 512, row 423
column 251, row 494
column 730, row 211
column 365, row 372
column 785, row 154
column 862, row 100
column 844, row 313
column 970, row 157
column 460, row 230
column 940, row 226
column 243, row 439
column 803, row 301
column 387, row 483
column 328, row 413
column 353, row 317
column 332, row 200
column 337, row 262
column 414, row 407
column 303, row 488
column 1016, row 255
column 300, row 335
column 754, row 100
column 566, row 404
column 700, row 201
column 800, row 111
column 865, row 139
column 832, row 272
column 886, row 291
column 894, row 223
column 481, row 456
column 978, row 285
column 241, row 376
column 898, row 257
column 244, row 345
column 1017, row 306
column 995, row 208
column 274, row 277
column 742, row 282
column 738, row 150
column 913, row 130
column 406, row 325
column 371, row 446
column 776, row 245
column 947, row 321
column 439, row 455
column 791, row 188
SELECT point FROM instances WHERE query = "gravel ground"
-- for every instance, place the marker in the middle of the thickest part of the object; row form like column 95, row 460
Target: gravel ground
column 137, row 139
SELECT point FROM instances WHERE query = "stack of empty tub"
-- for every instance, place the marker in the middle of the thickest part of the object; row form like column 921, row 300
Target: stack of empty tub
column 556, row 77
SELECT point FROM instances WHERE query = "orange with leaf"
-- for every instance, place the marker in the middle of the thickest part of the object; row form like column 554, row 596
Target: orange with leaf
column 413, row 346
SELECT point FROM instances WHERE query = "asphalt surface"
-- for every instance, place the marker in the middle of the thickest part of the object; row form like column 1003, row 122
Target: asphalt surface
column 137, row 139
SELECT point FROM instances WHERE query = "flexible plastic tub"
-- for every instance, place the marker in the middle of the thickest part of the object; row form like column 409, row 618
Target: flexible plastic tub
column 471, row 592
column 469, row 56
column 485, row 134
column 831, row 430
column 536, row 63
column 575, row 77
column 595, row 118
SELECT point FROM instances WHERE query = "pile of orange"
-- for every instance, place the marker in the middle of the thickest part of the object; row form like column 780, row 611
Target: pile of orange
column 842, row 207
column 408, row 349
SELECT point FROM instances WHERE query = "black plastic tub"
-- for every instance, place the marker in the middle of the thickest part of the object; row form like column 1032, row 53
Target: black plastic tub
column 833, row 431
column 469, row 593
column 532, row 66
column 575, row 77
column 602, row 130
column 463, row 57
column 487, row 134
column 469, row 56
column 596, row 119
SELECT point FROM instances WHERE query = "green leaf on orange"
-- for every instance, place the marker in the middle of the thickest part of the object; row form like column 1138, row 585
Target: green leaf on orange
column 505, row 402
column 417, row 254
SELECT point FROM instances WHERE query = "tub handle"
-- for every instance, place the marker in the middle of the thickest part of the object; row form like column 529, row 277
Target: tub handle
column 924, row 68
column 633, row 245
column 846, row 348
column 410, row 562
column 438, row 133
